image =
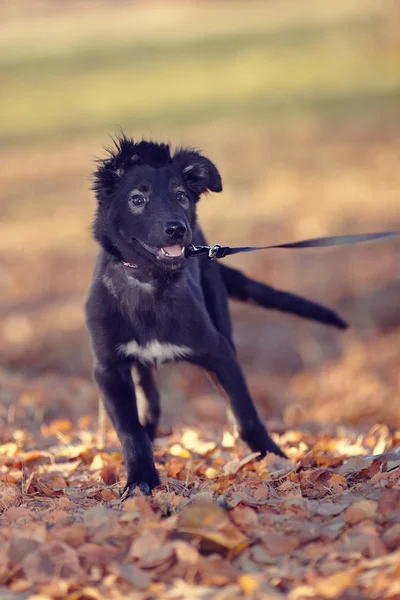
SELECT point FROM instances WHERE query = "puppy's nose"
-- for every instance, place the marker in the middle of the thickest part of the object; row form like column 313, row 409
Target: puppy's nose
column 175, row 229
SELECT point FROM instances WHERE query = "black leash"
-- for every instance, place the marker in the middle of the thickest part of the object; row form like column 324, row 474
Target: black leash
column 218, row 251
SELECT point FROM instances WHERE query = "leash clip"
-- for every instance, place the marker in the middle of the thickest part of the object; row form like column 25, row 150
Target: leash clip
column 196, row 250
column 213, row 251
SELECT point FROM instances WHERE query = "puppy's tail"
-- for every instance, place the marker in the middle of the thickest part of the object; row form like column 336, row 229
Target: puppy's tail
column 240, row 287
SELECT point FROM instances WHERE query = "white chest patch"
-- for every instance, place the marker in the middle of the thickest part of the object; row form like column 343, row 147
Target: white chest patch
column 154, row 351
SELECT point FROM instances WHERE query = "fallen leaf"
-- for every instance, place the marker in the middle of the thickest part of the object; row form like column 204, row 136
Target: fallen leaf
column 9, row 449
column 359, row 511
column 18, row 512
column 233, row 466
column 334, row 585
column 144, row 543
column 10, row 495
column 178, row 450
column 157, row 556
column 391, row 537
column 191, row 441
column 95, row 555
column 278, row 544
column 329, row 509
column 134, row 575
column 49, row 561
column 206, row 520
column 100, row 521
column 60, row 426
column 248, row 584
column 109, row 473
column 211, row 473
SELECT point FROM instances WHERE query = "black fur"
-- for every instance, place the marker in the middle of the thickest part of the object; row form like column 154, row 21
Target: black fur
column 146, row 201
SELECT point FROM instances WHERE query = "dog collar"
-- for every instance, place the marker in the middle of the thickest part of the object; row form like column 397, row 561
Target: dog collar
column 130, row 265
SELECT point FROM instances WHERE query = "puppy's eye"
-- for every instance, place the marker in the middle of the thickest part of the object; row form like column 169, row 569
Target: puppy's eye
column 138, row 199
column 181, row 197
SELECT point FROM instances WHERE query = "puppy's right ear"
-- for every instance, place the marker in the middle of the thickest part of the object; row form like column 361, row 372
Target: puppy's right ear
column 110, row 169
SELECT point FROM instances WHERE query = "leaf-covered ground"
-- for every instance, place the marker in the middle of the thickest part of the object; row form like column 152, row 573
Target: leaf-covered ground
column 323, row 524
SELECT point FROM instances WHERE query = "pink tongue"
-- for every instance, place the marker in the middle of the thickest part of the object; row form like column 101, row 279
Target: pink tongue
column 173, row 250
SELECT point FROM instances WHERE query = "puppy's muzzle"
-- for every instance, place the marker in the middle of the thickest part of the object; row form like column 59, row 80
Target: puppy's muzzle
column 175, row 229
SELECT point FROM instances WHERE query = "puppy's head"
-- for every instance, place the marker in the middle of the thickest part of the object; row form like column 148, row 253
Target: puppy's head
column 146, row 201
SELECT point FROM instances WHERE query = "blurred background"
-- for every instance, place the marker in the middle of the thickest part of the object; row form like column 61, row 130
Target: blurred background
column 298, row 103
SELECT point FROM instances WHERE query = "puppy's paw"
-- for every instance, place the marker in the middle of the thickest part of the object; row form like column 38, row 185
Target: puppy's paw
column 258, row 439
column 144, row 482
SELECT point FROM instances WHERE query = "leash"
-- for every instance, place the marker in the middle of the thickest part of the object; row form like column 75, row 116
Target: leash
column 218, row 251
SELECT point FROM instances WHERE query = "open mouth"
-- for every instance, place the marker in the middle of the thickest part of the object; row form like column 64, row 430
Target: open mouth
column 165, row 252
column 171, row 251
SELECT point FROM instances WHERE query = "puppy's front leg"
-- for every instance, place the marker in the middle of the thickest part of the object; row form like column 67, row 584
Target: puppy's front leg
column 118, row 394
column 223, row 366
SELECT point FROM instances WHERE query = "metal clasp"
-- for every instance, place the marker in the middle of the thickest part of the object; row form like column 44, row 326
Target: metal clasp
column 213, row 251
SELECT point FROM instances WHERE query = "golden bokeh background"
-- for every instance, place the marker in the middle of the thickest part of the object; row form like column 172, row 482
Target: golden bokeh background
column 298, row 103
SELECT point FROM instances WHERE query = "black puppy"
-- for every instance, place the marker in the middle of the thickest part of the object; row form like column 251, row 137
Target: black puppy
column 149, row 304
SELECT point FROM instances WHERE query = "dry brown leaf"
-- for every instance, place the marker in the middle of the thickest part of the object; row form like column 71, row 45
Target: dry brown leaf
column 41, row 485
column 53, row 560
column 95, row 555
column 278, row 544
column 4, row 563
column 10, row 495
column 391, row 537
column 245, row 518
column 55, row 589
column 110, row 472
column 233, row 466
column 158, row 556
column 100, row 521
column 389, row 501
column 334, row 585
column 211, row 473
column 248, row 584
column 139, row 506
column 377, row 438
column 191, row 441
column 86, row 593
column 262, row 556
column 133, row 574
column 360, row 511
column 60, row 426
column 22, row 545
column 185, row 553
column 73, row 535
column 146, row 542
column 108, row 495
column 178, row 450
column 18, row 512
column 330, row 509
column 9, row 449
column 206, row 520
column 337, row 483
column 356, row 464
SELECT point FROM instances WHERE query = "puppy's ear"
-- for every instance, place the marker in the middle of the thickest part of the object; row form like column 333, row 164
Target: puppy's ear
column 198, row 172
column 122, row 156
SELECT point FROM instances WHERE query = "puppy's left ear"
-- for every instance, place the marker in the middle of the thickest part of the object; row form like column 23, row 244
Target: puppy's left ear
column 198, row 172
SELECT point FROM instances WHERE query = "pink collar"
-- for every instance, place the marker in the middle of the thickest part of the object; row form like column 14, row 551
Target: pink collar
column 130, row 265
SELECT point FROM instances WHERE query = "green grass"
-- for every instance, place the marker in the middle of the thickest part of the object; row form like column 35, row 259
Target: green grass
column 76, row 77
